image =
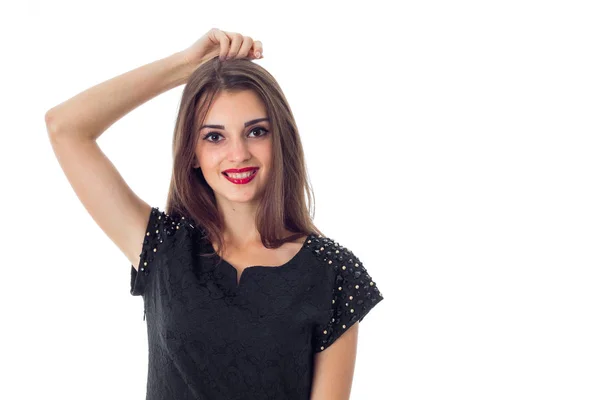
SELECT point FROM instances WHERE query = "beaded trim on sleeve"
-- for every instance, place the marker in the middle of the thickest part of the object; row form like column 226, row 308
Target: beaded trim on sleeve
column 354, row 292
column 160, row 224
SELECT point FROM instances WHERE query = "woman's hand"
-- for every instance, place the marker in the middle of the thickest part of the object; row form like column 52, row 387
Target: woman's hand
column 226, row 45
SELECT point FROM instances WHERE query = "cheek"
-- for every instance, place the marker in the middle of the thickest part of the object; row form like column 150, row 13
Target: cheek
column 264, row 152
column 208, row 159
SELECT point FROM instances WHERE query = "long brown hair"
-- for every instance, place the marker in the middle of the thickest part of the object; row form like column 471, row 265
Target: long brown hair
column 283, row 203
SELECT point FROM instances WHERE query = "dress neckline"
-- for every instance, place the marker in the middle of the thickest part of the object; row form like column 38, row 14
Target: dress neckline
column 239, row 277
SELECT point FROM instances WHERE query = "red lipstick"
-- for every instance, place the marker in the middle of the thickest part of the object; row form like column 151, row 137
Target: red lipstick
column 240, row 181
column 233, row 170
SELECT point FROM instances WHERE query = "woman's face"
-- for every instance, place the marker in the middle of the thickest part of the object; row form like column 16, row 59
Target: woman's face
column 235, row 145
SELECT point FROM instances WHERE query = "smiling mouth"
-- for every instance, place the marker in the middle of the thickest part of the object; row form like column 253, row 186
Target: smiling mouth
column 240, row 175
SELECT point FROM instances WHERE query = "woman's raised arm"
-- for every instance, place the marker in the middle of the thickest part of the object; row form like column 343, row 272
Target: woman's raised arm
column 75, row 125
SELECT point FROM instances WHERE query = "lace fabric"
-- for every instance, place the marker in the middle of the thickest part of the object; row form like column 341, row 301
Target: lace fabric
column 210, row 338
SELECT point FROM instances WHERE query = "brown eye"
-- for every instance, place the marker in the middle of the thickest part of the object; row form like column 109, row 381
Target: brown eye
column 259, row 128
column 209, row 135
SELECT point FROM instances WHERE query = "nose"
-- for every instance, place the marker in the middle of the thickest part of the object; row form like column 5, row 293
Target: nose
column 239, row 151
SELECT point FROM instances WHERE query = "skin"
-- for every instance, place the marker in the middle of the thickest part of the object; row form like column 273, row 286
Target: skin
column 237, row 146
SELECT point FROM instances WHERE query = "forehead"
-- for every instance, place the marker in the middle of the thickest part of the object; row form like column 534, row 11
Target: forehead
column 235, row 108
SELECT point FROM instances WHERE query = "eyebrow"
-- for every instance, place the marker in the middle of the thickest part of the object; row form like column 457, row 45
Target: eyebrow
column 251, row 122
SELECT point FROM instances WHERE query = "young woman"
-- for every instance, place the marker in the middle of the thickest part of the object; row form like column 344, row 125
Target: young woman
column 244, row 297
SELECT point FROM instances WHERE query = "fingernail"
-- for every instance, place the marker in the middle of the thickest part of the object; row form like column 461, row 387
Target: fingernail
column 257, row 54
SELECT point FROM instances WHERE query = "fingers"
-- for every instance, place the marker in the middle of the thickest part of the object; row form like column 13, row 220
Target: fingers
column 234, row 45
column 246, row 48
column 257, row 49
column 223, row 43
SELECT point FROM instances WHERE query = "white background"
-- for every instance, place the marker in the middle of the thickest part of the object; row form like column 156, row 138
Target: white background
column 453, row 146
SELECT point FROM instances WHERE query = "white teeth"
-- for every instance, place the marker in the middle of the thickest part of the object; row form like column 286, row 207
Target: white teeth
column 240, row 176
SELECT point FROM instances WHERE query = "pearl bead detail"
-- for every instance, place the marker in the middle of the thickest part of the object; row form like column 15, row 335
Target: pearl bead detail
column 159, row 225
column 351, row 284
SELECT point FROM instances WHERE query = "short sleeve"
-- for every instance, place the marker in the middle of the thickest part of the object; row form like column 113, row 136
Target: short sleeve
column 159, row 228
column 353, row 296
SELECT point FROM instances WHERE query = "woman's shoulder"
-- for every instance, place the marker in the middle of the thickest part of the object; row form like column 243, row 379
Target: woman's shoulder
column 170, row 231
column 330, row 251
column 171, row 222
column 344, row 265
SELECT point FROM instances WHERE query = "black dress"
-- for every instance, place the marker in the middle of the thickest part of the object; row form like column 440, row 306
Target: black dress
column 210, row 338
